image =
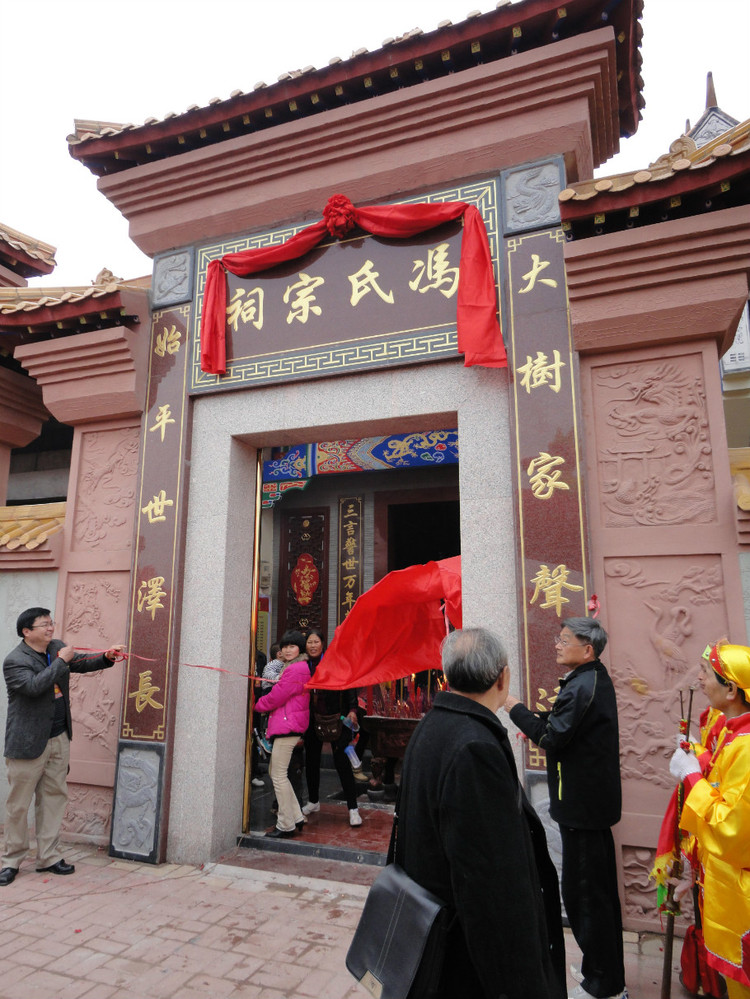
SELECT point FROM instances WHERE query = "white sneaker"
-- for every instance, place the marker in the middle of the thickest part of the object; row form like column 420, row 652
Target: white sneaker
column 311, row 806
column 257, row 782
column 355, row 819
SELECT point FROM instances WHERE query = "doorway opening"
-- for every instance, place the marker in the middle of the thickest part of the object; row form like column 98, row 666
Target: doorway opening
column 416, row 522
column 423, row 532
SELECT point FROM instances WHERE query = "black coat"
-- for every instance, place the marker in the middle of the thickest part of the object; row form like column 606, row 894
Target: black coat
column 467, row 833
column 581, row 740
column 31, row 695
column 330, row 702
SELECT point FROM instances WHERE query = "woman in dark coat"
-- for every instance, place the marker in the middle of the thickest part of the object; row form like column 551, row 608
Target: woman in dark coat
column 329, row 702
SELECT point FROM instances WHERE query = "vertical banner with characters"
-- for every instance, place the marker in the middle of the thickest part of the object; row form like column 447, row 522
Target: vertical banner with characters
column 552, row 550
column 150, row 674
column 349, row 554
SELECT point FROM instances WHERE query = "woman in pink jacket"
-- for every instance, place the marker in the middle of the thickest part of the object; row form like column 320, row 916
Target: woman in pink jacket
column 289, row 705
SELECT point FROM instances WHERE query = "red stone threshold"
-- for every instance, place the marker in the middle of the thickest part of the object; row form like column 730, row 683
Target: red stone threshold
column 327, row 834
column 299, row 865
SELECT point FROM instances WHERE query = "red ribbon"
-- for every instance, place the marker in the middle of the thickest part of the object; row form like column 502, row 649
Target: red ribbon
column 479, row 337
column 145, row 659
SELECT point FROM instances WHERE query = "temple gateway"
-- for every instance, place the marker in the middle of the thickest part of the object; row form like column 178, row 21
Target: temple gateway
column 392, row 319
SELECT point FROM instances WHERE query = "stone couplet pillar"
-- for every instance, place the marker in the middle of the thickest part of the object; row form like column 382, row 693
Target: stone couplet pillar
column 94, row 381
column 652, row 310
column 551, row 544
column 147, row 719
column 22, row 414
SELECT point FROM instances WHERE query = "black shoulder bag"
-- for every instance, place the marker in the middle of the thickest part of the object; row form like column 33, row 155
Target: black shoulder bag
column 400, row 942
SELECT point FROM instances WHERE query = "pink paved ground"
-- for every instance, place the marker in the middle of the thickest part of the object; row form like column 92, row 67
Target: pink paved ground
column 251, row 927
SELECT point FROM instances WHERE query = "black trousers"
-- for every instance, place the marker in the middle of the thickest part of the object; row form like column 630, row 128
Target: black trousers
column 589, row 891
column 313, row 752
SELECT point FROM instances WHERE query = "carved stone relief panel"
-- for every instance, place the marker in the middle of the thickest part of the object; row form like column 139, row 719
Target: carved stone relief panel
column 96, row 700
column 653, row 448
column 530, row 196
column 713, row 123
column 660, row 612
column 106, row 490
column 173, row 279
column 668, row 609
column 640, row 905
column 136, row 801
column 95, row 603
column 95, row 618
column 88, row 813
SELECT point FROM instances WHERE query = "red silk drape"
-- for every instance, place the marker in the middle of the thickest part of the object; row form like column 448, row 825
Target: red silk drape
column 395, row 628
column 479, row 337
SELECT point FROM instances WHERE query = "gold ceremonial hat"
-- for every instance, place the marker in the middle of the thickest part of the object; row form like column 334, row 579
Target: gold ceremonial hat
column 732, row 662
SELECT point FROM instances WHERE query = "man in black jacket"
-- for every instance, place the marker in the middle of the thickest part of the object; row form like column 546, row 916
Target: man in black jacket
column 580, row 738
column 37, row 738
column 467, row 833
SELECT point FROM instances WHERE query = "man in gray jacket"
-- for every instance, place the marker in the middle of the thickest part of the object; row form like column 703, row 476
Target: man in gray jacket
column 37, row 738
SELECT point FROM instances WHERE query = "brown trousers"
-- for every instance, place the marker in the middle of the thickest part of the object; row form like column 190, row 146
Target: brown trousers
column 45, row 780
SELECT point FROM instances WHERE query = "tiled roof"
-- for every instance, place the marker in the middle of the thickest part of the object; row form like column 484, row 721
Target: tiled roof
column 69, row 307
column 683, row 169
column 412, row 58
column 38, row 256
column 29, row 527
column 14, row 300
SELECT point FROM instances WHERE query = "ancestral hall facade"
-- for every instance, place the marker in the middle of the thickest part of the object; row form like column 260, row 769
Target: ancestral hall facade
column 351, row 426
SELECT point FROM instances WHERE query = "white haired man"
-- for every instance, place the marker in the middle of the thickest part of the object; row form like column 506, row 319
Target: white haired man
column 467, row 833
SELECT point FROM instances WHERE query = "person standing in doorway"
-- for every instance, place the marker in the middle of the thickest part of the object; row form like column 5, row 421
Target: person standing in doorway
column 331, row 704
column 289, row 705
column 581, row 740
column 38, row 731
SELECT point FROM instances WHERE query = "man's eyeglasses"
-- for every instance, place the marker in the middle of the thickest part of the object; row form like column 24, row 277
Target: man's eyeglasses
column 561, row 641
column 43, row 624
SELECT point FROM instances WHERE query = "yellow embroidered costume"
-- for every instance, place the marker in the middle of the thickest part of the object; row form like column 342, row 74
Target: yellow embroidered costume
column 716, row 811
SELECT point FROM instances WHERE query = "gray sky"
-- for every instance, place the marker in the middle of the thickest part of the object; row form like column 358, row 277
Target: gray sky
column 127, row 61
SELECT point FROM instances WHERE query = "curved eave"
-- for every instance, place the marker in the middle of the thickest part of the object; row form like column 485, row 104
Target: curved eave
column 75, row 315
column 498, row 34
column 701, row 177
column 24, row 264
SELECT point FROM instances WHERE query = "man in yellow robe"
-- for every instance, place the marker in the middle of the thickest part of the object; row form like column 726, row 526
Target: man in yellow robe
column 716, row 811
